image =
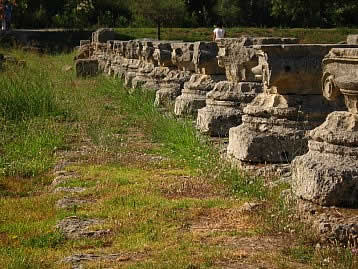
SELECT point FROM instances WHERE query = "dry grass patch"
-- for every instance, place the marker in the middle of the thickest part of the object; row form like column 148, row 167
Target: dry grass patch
column 190, row 187
column 209, row 220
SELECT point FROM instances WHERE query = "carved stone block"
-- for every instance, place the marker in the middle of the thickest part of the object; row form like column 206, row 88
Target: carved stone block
column 194, row 93
column 205, row 58
column 224, row 105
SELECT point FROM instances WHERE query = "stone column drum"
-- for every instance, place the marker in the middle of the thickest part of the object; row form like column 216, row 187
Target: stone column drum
column 328, row 174
column 276, row 123
column 224, row 105
column 132, row 62
column 171, row 87
column 208, row 73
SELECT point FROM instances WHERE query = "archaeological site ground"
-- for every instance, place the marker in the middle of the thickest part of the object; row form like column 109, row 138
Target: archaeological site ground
column 129, row 152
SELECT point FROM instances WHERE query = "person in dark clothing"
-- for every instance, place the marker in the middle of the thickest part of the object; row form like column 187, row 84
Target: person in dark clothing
column 8, row 7
column 2, row 15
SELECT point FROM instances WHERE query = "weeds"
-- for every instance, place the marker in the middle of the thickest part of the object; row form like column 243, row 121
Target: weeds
column 26, row 94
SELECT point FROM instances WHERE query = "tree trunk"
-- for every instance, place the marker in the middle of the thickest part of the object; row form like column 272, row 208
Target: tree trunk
column 158, row 30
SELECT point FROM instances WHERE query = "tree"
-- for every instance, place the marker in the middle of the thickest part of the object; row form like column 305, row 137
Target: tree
column 228, row 11
column 203, row 10
column 159, row 11
column 302, row 13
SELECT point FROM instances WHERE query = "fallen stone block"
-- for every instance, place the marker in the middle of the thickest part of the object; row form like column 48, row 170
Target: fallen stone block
column 328, row 175
column 171, row 87
column 205, row 58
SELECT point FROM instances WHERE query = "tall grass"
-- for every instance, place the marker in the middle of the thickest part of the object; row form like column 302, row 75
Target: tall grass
column 26, row 94
column 28, row 132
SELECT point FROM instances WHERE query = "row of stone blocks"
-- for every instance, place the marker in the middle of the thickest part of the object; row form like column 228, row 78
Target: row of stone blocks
column 264, row 93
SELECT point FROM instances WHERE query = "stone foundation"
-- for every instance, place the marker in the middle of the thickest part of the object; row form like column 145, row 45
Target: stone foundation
column 193, row 96
column 224, row 106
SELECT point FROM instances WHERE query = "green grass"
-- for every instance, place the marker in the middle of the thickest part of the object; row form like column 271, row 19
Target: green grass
column 29, row 114
column 305, row 35
column 26, row 93
column 48, row 240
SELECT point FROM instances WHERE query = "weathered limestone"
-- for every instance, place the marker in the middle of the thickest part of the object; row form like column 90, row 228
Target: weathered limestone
column 142, row 76
column 99, row 53
column 171, row 86
column 238, row 57
column 156, row 57
column 328, row 174
column 117, row 67
column 131, row 62
column 224, row 105
column 276, row 123
column 131, row 66
column 163, row 54
column 193, row 95
column 182, row 56
column 205, row 60
column 103, row 35
column 86, row 67
column 352, row 40
column 208, row 73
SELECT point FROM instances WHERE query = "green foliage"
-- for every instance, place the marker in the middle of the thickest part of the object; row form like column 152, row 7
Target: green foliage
column 28, row 110
column 301, row 254
column 26, row 93
column 28, row 147
column 189, row 13
column 49, row 240
column 19, row 259
column 229, row 12
column 180, row 140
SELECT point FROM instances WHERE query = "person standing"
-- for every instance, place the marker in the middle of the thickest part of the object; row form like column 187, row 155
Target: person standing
column 8, row 7
column 2, row 15
column 218, row 32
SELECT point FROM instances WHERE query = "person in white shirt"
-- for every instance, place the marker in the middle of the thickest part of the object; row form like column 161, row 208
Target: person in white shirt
column 218, row 32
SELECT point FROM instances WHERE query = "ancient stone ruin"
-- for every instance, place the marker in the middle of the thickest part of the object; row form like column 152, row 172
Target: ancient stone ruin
column 266, row 94
column 327, row 174
column 224, row 104
column 276, row 123
column 207, row 74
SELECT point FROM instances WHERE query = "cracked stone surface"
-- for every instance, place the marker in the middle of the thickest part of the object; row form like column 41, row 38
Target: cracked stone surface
column 70, row 189
column 74, row 227
column 71, row 202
